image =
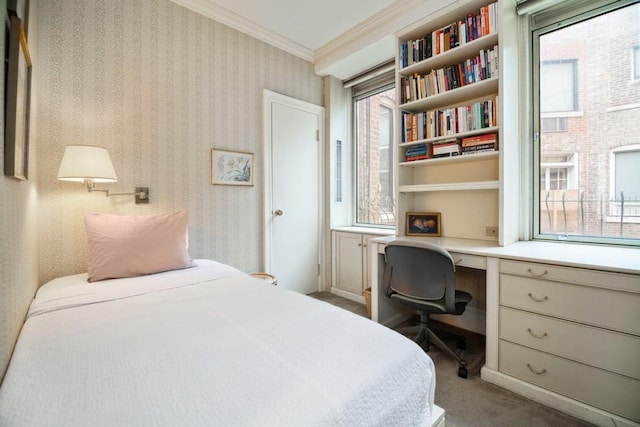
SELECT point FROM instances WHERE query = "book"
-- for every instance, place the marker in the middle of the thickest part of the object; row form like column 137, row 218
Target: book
column 484, row 150
column 436, row 156
column 479, row 139
column 447, row 147
column 414, row 158
column 480, row 147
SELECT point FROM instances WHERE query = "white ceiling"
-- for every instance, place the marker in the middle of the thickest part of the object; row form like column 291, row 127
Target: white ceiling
column 310, row 23
column 341, row 37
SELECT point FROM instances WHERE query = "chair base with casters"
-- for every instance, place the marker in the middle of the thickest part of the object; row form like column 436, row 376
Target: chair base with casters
column 424, row 336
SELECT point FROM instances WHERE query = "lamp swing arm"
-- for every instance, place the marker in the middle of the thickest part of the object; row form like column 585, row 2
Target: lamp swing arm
column 141, row 193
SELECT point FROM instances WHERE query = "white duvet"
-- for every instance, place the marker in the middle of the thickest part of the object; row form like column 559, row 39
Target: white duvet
column 207, row 346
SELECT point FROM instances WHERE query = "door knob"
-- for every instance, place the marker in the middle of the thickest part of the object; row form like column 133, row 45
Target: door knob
column 278, row 212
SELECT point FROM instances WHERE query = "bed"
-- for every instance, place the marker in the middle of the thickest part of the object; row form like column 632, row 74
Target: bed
column 207, row 345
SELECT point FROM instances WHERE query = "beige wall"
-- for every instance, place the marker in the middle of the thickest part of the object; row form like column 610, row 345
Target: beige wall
column 19, row 241
column 157, row 85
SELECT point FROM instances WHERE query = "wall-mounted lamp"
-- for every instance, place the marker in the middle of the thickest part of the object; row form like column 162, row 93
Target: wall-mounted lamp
column 89, row 164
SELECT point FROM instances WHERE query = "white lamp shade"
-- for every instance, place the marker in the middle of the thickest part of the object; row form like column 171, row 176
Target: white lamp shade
column 81, row 162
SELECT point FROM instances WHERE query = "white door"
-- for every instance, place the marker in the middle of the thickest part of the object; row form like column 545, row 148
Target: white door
column 293, row 191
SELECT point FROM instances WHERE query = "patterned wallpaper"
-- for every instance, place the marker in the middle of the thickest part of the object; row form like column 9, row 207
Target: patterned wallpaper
column 158, row 86
column 19, row 241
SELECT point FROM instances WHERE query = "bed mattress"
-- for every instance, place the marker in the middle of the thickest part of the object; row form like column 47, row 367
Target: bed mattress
column 208, row 345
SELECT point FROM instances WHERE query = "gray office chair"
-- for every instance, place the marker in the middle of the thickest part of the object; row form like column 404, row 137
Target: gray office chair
column 420, row 275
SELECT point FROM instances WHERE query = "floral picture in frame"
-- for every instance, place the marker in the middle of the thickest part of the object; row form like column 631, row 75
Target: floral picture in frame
column 423, row 224
column 231, row 167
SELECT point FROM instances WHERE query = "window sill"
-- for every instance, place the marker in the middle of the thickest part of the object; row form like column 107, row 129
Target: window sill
column 366, row 230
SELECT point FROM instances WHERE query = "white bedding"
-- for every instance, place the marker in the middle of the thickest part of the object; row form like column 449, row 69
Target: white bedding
column 207, row 346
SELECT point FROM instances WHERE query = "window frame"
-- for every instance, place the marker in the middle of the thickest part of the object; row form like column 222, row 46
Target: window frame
column 547, row 21
column 381, row 84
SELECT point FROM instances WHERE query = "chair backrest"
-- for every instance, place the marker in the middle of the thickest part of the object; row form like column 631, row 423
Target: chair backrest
column 420, row 270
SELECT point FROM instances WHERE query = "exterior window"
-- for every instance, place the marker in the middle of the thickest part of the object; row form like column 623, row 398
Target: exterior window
column 625, row 192
column 554, row 124
column 558, row 90
column 586, row 117
column 555, row 172
column 374, row 130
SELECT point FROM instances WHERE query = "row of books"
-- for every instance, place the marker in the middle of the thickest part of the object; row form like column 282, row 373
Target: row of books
column 450, row 36
column 417, row 152
column 449, row 121
column 453, row 147
column 481, row 67
column 479, row 144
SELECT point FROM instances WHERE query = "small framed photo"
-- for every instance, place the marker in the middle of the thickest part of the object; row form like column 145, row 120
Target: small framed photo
column 231, row 167
column 423, row 224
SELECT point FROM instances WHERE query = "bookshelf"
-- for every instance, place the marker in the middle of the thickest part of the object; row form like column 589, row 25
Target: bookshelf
column 466, row 92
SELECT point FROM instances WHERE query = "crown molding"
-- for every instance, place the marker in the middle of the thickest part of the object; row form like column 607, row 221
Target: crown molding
column 365, row 45
column 376, row 24
column 374, row 31
column 246, row 26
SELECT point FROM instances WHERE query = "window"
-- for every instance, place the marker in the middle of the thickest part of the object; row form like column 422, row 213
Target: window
column 558, row 90
column 374, row 135
column 553, row 124
column 587, row 122
column 625, row 191
column 557, row 172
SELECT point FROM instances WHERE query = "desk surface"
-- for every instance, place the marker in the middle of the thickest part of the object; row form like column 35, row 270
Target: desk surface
column 599, row 257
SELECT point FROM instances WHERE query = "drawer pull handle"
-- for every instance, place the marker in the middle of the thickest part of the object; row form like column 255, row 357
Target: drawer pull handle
column 533, row 334
column 536, row 275
column 544, row 371
column 538, row 299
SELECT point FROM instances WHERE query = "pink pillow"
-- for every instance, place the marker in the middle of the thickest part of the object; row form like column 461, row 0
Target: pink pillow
column 128, row 246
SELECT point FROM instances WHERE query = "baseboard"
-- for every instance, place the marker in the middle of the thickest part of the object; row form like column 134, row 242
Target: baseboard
column 473, row 319
column 348, row 295
column 561, row 403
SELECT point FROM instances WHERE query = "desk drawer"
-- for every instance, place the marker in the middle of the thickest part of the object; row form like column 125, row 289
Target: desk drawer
column 602, row 348
column 594, row 306
column 602, row 389
column 578, row 276
column 471, row 261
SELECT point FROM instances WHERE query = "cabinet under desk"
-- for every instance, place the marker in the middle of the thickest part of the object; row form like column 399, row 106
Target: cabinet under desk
column 577, row 278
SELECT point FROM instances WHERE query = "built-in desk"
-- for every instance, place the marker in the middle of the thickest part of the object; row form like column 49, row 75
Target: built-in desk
column 562, row 321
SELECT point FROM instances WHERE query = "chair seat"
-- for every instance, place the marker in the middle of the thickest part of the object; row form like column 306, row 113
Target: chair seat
column 434, row 306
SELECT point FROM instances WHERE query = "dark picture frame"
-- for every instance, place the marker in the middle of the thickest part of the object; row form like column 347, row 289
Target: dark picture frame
column 18, row 102
column 423, row 224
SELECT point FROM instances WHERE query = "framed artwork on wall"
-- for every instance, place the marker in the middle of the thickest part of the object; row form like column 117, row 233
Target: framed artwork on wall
column 423, row 224
column 231, row 167
column 18, row 100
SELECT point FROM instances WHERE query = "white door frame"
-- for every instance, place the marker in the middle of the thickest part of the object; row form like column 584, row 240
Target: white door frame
column 270, row 98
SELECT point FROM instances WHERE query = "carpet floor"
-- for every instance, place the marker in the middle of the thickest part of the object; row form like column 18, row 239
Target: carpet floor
column 472, row 402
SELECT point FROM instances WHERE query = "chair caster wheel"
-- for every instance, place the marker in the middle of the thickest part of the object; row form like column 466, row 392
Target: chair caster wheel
column 462, row 372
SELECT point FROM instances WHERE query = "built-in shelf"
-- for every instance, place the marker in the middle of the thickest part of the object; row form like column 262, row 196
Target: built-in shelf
column 450, row 186
column 451, row 97
column 454, row 159
column 458, row 54
column 492, row 129
column 467, row 190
